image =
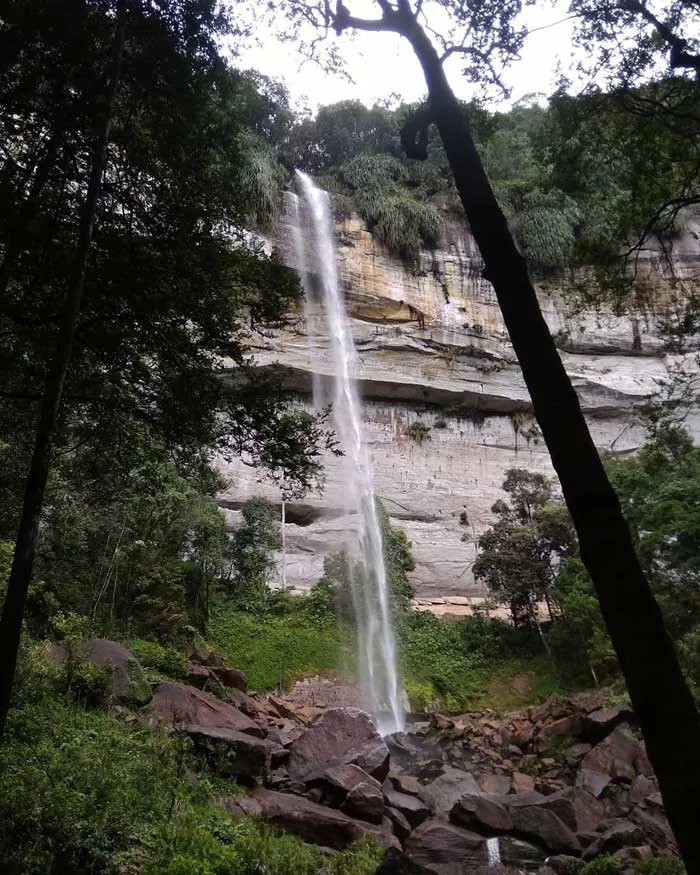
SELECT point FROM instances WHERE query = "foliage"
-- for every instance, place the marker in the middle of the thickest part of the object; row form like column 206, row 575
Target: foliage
column 276, row 650
column 606, row 864
column 250, row 554
column 167, row 661
column 435, row 664
column 578, row 639
column 660, row 866
column 82, row 792
column 418, row 432
column 520, row 554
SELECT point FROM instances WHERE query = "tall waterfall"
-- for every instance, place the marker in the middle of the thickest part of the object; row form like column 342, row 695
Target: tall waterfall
column 376, row 650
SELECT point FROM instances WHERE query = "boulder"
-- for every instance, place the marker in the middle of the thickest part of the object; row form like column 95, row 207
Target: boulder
column 600, row 723
column 411, row 807
column 545, row 828
column 401, row 826
column 445, row 849
column 563, row 864
column 365, row 801
column 622, row 834
column 656, row 829
column 576, row 753
column 183, row 707
column 587, row 701
column 395, row 862
column 343, row 778
column 482, row 814
column 442, row 793
column 233, row 678
column 197, row 676
column 340, row 734
column 312, row 822
column 579, row 810
column 642, row 787
column 520, row 854
column 522, row 783
column 552, row 734
column 128, row 684
column 233, row 754
column 612, row 760
column 372, row 758
column 495, row 785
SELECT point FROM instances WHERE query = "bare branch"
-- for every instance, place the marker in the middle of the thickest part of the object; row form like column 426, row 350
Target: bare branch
column 680, row 56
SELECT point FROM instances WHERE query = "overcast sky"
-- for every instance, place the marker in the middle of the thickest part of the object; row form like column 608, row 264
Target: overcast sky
column 382, row 65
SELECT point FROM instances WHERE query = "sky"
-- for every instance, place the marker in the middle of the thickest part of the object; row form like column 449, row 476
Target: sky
column 383, row 65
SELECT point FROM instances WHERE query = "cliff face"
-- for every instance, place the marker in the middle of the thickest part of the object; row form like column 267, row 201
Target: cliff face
column 433, row 350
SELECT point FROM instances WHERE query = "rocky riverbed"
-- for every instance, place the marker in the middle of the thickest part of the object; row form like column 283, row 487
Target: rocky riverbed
column 533, row 790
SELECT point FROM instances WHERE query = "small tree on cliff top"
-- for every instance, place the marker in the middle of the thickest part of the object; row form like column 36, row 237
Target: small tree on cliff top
column 485, row 36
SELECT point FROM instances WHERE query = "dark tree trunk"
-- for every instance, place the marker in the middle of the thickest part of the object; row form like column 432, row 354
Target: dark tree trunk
column 20, row 574
column 667, row 713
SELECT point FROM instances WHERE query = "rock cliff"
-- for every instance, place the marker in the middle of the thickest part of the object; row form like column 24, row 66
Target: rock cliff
column 433, row 350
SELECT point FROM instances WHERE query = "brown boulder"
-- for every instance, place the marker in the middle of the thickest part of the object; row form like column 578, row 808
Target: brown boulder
column 587, row 701
column 599, row 724
column 552, row 734
column 197, row 676
column 401, row 826
column 372, row 758
column 411, row 807
column 445, row 849
column 579, row 810
column 127, row 681
column 442, row 793
column 233, row 754
column 545, row 828
column 522, row 783
column 339, row 734
column 612, row 760
column 313, row 823
column 622, row 834
column 365, row 801
column 182, row 707
column 642, row 787
column 233, row 678
column 495, row 785
column 481, row 814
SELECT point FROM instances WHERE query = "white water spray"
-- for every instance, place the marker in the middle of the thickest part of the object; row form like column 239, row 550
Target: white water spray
column 493, row 849
column 375, row 635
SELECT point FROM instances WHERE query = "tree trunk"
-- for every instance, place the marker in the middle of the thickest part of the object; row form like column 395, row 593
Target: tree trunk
column 20, row 574
column 662, row 701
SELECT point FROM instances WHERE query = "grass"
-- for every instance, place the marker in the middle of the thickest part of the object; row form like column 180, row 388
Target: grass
column 277, row 650
column 84, row 792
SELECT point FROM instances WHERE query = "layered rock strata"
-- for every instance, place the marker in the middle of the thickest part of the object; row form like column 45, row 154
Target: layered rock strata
column 433, row 350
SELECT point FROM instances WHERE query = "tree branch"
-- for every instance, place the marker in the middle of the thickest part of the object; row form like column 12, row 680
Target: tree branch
column 680, row 56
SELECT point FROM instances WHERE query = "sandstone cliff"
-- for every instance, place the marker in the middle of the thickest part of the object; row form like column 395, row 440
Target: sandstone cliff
column 433, row 350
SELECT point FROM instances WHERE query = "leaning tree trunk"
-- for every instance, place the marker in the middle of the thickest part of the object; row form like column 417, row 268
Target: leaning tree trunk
column 20, row 574
column 662, row 701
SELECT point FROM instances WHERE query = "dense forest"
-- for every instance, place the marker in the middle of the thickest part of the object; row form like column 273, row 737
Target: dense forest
column 139, row 174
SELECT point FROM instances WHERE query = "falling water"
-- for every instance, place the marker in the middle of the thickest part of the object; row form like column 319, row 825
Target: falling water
column 493, row 849
column 375, row 636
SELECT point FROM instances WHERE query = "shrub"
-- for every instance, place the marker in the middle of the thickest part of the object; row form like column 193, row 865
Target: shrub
column 418, row 432
column 603, row 865
column 164, row 660
column 660, row 866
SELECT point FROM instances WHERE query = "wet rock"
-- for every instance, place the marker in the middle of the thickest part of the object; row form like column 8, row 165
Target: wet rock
column 445, row 849
column 520, row 854
column 183, row 707
column 312, row 822
column 481, row 814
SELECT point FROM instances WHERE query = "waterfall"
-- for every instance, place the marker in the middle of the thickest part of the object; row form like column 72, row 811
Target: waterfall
column 376, row 650
column 493, row 849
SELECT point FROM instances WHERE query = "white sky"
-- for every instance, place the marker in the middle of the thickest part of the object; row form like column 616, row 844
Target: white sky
column 383, row 65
